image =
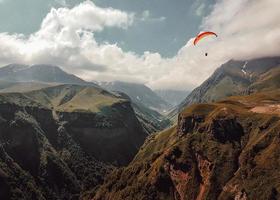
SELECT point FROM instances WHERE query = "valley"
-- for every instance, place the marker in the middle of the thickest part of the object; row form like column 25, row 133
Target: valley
column 85, row 140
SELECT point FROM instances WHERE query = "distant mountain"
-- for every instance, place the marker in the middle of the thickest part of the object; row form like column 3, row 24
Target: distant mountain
column 235, row 78
column 23, row 78
column 39, row 73
column 147, row 105
column 6, row 86
column 151, row 120
column 58, row 142
column 173, row 97
column 139, row 94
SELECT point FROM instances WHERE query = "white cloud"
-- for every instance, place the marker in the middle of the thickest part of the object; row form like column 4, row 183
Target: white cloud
column 66, row 38
column 62, row 3
column 146, row 16
column 246, row 29
column 200, row 9
column 85, row 16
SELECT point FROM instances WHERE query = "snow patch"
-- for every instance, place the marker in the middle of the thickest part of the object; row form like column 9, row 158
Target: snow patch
column 244, row 67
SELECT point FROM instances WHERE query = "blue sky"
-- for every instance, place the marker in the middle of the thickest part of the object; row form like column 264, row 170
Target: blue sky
column 143, row 41
column 162, row 26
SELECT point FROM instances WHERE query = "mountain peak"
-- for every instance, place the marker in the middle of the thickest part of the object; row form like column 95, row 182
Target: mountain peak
column 13, row 67
column 39, row 73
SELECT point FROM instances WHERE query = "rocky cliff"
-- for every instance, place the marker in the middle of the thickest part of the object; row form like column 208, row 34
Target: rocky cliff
column 224, row 150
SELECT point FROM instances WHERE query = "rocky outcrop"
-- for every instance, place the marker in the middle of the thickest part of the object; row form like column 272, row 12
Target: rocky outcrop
column 205, row 170
column 226, row 129
column 180, row 180
column 189, row 124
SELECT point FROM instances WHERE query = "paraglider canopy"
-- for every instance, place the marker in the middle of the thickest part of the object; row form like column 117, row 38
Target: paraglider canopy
column 203, row 35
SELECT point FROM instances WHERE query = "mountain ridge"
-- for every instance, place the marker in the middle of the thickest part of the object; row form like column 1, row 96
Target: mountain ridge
column 139, row 93
column 39, row 73
column 232, row 78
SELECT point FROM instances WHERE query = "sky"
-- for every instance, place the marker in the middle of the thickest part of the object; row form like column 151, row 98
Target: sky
column 156, row 27
column 143, row 41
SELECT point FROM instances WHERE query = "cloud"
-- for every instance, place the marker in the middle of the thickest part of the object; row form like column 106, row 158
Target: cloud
column 62, row 3
column 246, row 29
column 200, row 10
column 85, row 16
column 146, row 16
column 66, row 38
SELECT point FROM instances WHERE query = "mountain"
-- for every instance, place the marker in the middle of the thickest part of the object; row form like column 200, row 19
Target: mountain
column 39, row 73
column 23, row 78
column 147, row 105
column 8, row 87
column 235, row 78
column 151, row 120
column 173, row 97
column 60, row 141
column 78, row 141
column 224, row 150
column 139, row 94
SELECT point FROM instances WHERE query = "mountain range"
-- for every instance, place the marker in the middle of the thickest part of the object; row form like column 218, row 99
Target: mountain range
column 61, row 135
column 39, row 73
column 65, row 138
column 24, row 78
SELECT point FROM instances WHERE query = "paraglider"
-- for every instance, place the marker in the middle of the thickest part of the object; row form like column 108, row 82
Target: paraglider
column 202, row 35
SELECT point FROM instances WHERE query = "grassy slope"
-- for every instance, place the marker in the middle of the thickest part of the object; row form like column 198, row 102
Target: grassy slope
column 267, row 81
column 68, row 98
column 12, row 87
